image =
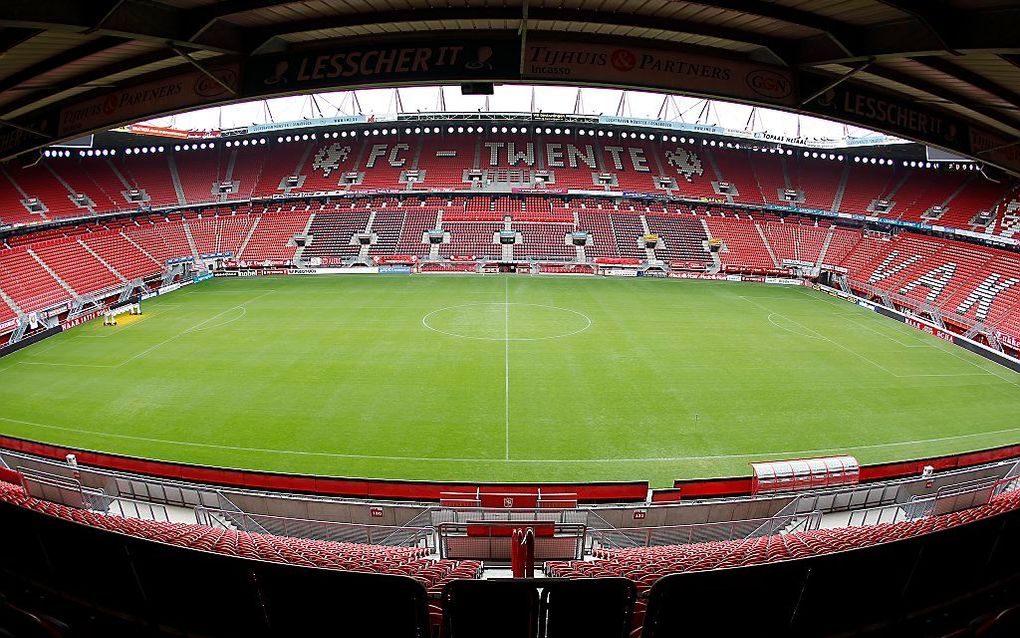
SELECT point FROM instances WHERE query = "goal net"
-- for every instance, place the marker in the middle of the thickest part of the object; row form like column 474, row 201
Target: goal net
column 132, row 309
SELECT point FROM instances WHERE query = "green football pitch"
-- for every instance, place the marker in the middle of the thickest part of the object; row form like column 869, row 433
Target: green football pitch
column 501, row 378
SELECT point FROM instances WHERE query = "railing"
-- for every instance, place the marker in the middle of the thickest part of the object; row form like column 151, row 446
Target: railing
column 237, row 516
column 564, row 541
column 69, row 491
column 948, row 499
column 130, row 508
column 703, row 532
column 321, row 530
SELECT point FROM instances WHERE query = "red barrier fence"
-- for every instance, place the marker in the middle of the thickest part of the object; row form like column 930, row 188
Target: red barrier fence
column 600, row 492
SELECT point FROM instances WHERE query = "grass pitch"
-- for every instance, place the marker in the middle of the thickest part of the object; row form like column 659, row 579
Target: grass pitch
column 505, row 379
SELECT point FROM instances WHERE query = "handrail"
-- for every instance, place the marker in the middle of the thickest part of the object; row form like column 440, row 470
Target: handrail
column 317, row 529
column 688, row 533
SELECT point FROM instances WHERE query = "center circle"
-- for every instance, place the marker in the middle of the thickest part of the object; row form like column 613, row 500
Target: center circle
column 498, row 321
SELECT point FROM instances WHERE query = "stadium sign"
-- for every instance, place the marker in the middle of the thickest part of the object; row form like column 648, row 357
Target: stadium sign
column 312, row 122
column 85, row 318
column 1008, row 340
column 550, row 60
column 891, row 113
column 172, row 93
column 911, row 120
column 427, row 60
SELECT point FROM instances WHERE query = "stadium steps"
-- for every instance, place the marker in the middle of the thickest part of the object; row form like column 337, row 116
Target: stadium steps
column 191, row 240
column 102, row 261
column 175, row 177
column 837, row 201
column 228, row 176
column 825, row 249
column 125, row 185
column 299, row 253
column 247, row 239
column 786, row 173
column 959, row 189
column 768, row 246
column 46, row 267
column 140, row 249
column 10, row 302
column 70, row 189
column 891, row 195
column 22, row 210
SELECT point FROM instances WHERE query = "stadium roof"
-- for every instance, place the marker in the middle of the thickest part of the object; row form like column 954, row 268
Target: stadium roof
column 943, row 72
column 619, row 105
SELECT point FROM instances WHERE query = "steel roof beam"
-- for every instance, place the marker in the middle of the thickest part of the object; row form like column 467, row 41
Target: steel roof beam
column 941, row 95
column 985, row 30
column 93, row 79
column 944, row 66
column 10, row 38
column 779, row 49
column 129, row 19
column 61, row 59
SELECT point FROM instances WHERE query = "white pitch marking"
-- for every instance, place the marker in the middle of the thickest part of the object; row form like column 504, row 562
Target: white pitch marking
column 986, row 371
column 425, row 322
column 506, row 358
column 664, row 459
column 193, row 328
column 835, row 343
column 799, row 334
column 917, row 343
column 244, row 313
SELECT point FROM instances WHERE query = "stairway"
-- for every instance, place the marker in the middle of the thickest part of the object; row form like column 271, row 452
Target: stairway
column 141, row 250
column 46, row 267
column 825, row 249
column 176, row 178
column 191, row 241
column 20, row 190
column 299, row 253
column 102, row 261
column 67, row 186
column 251, row 231
column 768, row 246
column 837, row 201
column 10, row 302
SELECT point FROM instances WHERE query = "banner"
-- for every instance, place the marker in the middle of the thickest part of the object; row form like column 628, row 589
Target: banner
column 173, row 93
column 315, row 121
column 1008, row 340
column 550, row 60
column 425, row 61
column 930, row 329
column 850, row 103
column 157, row 131
column 994, row 148
column 698, row 275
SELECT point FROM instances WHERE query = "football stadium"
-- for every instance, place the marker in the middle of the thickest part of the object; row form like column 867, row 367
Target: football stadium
column 528, row 320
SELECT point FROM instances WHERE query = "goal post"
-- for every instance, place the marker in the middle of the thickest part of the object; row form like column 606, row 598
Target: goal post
column 133, row 308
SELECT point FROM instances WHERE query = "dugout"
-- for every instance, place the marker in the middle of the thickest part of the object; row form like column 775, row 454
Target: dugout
column 804, row 474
